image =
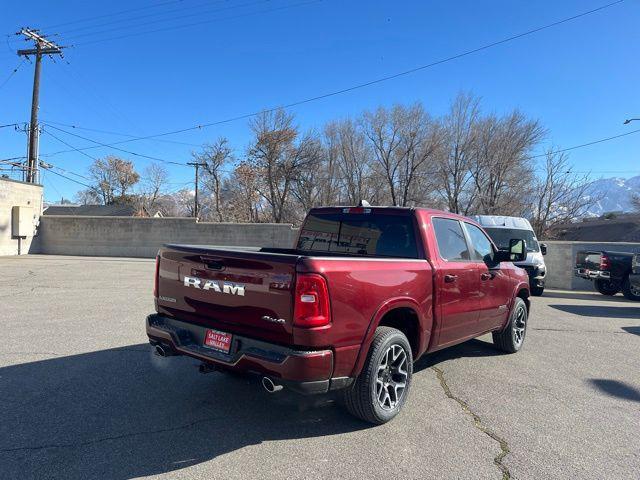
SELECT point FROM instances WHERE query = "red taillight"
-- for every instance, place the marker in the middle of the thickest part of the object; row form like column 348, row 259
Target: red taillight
column 605, row 264
column 155, row 282
column 311, row 308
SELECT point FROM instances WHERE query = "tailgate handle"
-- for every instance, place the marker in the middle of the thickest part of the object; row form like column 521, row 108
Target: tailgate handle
column 212, row 264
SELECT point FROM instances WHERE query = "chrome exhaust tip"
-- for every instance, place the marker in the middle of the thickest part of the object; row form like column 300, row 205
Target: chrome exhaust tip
column 160, row 351
column 269, row 386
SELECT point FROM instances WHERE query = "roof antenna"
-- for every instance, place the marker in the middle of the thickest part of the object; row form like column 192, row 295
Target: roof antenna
column 364, row 203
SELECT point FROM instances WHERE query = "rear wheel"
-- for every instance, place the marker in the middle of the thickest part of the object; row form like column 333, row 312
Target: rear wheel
column 510, row 340
column 606, row 287
column 381, row 389
column 629, row 291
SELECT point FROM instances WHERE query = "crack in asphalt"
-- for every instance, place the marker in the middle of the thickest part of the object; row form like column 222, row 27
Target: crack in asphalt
column 477, row 422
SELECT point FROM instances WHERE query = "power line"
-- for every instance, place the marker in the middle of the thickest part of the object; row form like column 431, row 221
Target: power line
column 372, row 82
column 109, row 132
column 69, row 145
column 584, row 144
column 186, row 25
column 13, row 72
column 112, row 147
column 49, row 168
column 160, row 20
column 120, row 12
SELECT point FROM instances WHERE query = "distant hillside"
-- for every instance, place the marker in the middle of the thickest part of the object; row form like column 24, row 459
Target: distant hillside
column 616, row 194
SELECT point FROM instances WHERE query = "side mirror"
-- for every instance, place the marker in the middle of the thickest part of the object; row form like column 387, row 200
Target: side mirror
column 543, row 248
column 517, row 251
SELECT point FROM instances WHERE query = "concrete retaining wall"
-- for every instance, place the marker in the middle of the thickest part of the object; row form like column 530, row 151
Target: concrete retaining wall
column 141, row 237
column 561, row 258
column 12, row 194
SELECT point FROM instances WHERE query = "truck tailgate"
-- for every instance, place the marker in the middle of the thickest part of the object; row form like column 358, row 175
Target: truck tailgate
column 588, row 260
column 239, row 291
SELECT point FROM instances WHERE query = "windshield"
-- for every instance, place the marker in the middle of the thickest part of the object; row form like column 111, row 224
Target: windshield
column 501, row 237
column 359, row 234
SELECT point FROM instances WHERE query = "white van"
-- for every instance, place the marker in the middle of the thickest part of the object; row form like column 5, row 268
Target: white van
column 502, row 229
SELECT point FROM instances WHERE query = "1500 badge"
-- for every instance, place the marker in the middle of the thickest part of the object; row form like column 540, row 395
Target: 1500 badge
column 220, row 287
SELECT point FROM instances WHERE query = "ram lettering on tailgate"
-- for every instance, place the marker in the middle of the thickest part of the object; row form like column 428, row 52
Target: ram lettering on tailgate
column 220, row 287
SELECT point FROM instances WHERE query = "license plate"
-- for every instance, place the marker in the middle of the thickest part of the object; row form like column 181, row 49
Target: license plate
column 218, row 340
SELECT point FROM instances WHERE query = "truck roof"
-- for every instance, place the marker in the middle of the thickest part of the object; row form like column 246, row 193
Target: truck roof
column 501, row 221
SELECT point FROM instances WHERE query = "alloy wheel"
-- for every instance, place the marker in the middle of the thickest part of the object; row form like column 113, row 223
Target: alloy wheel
column 519, row 326
column 391, row 381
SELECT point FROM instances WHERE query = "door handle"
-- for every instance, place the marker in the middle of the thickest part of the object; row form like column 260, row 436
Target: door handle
column 450, row 278
column 486, row 276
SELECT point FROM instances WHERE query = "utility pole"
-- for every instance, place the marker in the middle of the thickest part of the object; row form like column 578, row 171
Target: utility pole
column 42, row 47
column 196, row 206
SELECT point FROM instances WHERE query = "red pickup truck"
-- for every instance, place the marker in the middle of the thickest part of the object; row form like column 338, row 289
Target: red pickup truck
column 365, row 292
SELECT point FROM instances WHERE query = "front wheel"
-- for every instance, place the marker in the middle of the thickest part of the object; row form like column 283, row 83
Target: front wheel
column 536, row 291
column 381, row 389
column 606, row 287
column 630, row 291
column 510, row 339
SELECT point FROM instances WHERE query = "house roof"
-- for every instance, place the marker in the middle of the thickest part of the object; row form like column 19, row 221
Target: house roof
column 92, row 210
column 624, row 228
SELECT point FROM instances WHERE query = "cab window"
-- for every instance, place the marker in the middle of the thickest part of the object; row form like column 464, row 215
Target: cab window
column 481, row 248
column 452, row 243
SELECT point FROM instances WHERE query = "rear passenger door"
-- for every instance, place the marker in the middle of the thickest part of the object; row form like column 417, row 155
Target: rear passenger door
column 495, row 285
column 457, row 281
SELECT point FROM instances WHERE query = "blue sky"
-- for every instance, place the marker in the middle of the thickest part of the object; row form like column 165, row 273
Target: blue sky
column 580, row 79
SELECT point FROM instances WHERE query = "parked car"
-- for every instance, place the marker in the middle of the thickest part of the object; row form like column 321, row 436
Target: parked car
column 363, row 295
column 611, row 272
column 502, row 229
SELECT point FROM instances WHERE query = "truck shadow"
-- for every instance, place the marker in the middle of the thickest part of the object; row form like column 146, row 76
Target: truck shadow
column 600, row 311
column 469, row 349
column 593, row 296
column 124, row 413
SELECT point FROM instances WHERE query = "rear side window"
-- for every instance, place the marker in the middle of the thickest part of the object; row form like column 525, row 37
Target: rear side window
column 451, row 242
column 367, row 234
column 480, row 244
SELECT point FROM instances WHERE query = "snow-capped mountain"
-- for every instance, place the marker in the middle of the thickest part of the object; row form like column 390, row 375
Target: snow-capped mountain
column 615, row 194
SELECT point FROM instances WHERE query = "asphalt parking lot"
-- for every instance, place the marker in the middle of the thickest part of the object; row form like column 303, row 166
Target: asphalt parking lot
column 81, row 395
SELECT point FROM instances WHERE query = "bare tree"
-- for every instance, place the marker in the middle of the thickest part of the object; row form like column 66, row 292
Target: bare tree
column 559, row 195
column 89, row 196
column 241, row 195
column 114, row 178
column 155, row 179
column 184, row 202
column 502, row 170
column 453, row 168
column 214, row 158
column 279, row 156
column 351, row 164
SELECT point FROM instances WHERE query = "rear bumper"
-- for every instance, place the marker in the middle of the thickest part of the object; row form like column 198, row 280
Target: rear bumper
column 591, row 274
column 302, row 371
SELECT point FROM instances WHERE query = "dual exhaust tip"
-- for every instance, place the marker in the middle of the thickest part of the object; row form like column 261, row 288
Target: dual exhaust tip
column 269, row 386
column 163, row 351
column 267, row 383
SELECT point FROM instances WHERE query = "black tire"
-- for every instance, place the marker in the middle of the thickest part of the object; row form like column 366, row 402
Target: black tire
column 629, row 291
column 536, row 291
column 511, row 339
column 362, row 399
column 606, row 287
